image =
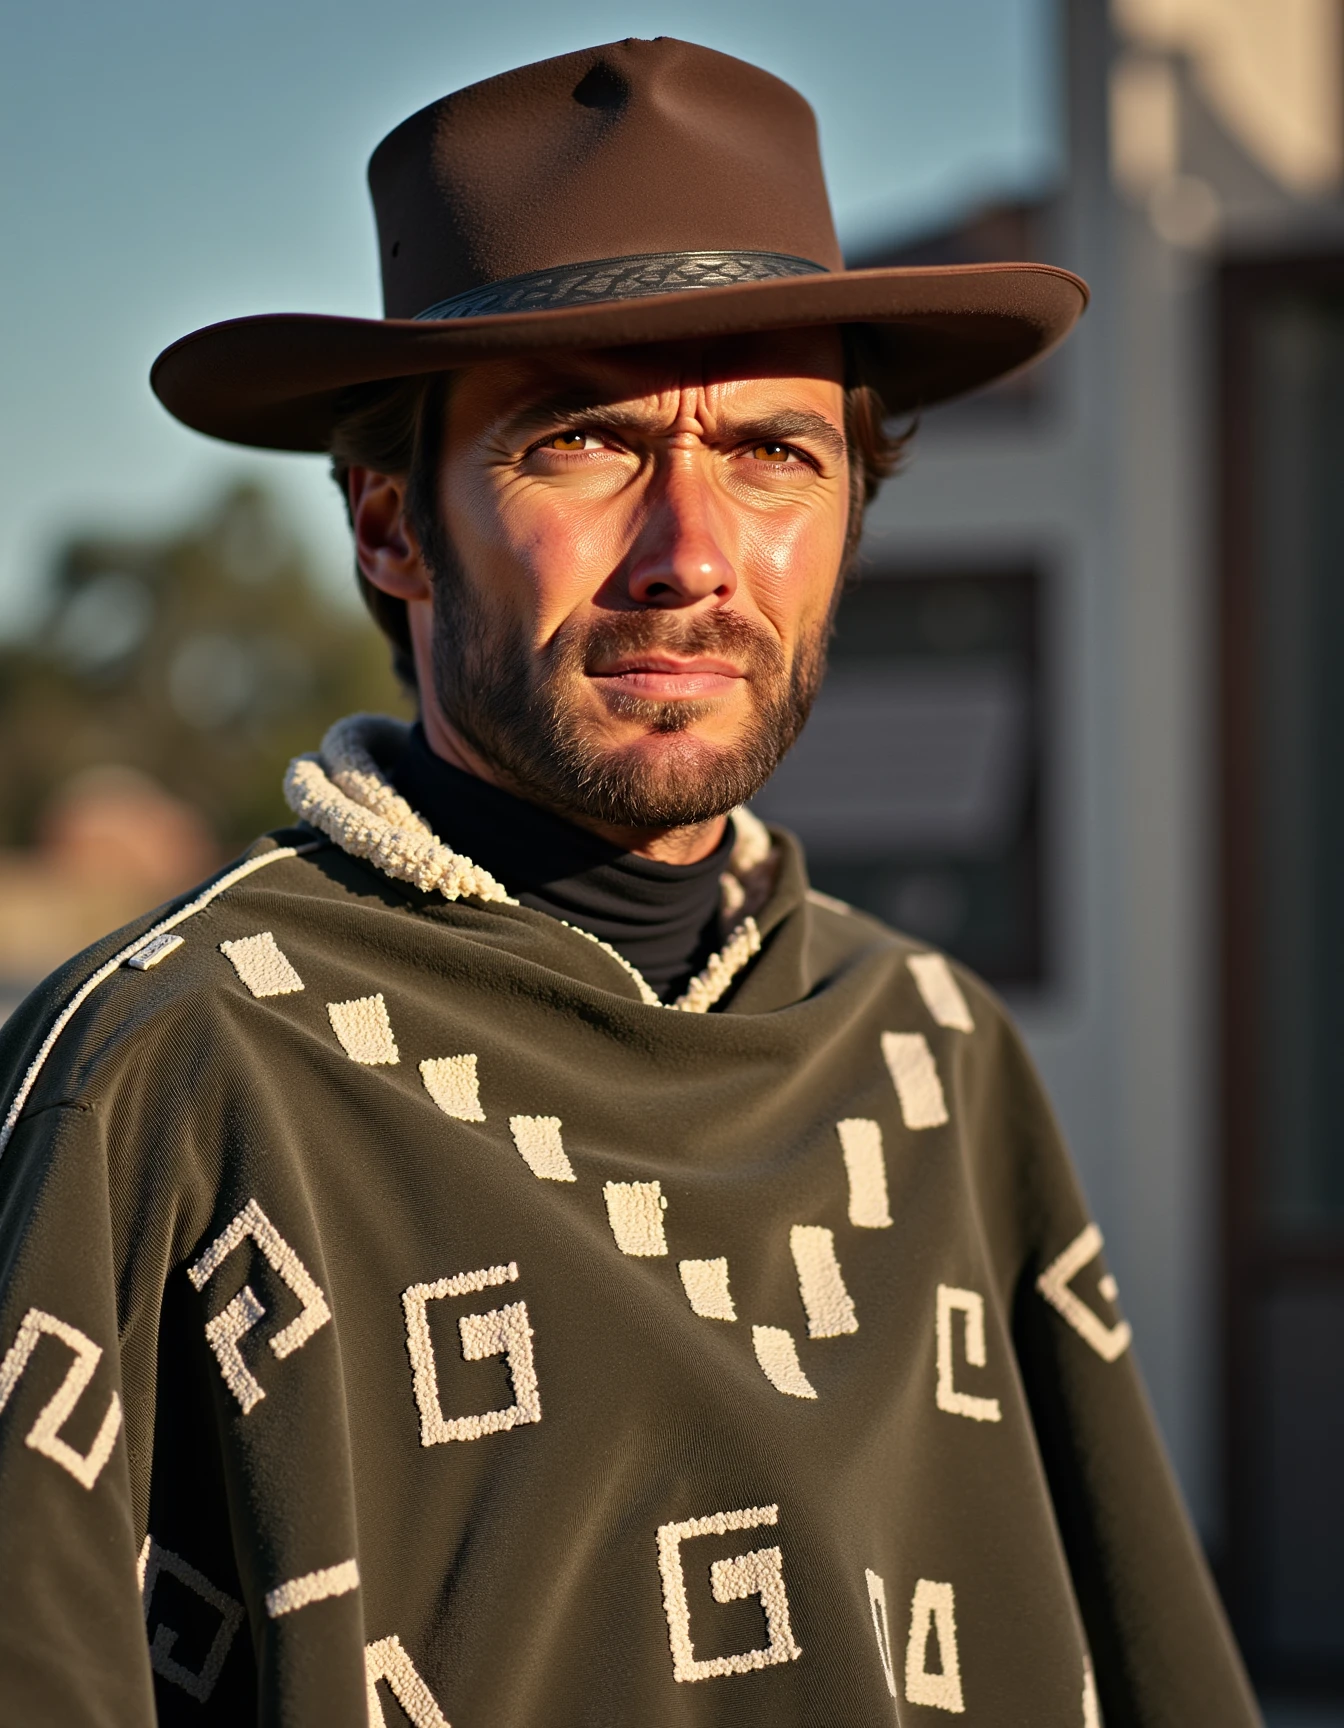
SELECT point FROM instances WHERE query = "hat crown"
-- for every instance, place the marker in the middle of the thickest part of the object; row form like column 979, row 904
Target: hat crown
column 638, row 147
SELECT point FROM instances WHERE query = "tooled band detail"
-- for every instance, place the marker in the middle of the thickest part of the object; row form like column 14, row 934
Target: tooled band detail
column 631, row 278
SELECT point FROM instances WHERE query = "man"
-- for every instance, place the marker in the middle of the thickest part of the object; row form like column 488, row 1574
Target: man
column 506, row 1252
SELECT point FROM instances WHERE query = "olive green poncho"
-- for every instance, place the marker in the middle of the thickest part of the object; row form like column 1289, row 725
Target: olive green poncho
column 405, row 1318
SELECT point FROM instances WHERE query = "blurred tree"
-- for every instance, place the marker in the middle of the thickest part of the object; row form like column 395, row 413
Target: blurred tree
column 205, row 659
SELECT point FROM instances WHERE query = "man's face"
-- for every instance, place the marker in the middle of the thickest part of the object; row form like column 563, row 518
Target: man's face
column 636, row 568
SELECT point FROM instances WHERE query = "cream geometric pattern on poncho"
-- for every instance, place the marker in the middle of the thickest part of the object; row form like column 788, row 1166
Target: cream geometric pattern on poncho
column 470, row 1375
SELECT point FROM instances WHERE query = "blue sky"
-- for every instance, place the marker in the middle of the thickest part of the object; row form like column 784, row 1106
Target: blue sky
column 168, row 164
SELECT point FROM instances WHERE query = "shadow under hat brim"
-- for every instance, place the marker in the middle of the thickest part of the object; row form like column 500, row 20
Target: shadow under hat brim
column 933, row 333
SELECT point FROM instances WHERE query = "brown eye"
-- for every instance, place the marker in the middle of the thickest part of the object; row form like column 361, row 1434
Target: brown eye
column 567, row 441
column 771, row 452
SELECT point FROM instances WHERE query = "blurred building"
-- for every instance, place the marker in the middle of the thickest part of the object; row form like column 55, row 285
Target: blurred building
column 1093, row 672
column 146, row 722
column 110, row 845
column 1096, row 665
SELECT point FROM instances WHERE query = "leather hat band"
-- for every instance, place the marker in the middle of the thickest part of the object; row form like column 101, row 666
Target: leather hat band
column 619, row 279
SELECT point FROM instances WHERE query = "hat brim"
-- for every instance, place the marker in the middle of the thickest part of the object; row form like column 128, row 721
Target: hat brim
column 934, row 333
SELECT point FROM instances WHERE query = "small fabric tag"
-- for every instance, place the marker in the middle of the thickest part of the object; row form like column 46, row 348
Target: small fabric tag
column 159, row 948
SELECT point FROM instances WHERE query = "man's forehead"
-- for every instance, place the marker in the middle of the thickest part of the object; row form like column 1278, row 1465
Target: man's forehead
column 773, row 367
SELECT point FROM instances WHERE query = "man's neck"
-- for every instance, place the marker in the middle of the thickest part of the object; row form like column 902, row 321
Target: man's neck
column 663, row 845
column 664, row 919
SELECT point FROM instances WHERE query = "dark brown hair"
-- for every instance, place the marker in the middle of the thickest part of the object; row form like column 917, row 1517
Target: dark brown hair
column 396, row 427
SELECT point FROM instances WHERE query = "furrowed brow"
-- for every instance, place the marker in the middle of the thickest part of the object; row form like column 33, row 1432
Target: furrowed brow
column 571, row 406
column 776, row 427
column 787, row 424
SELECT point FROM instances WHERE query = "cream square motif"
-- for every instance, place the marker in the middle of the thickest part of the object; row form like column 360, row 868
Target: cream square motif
column 706, row 1285
column 312, row 1587
column 1091, row 1704
column 451, row 1082
column 1056, row 1284
column 224, row 1334
column 364, row 1030
column 933, row 1609
column 501, row 1332
column 45, row 1434
column 262, row 965
column 387, row 1660
column 827, row 1303
column 877, row 1601
column 541, row 1148
column 941, row 992
column 915, row 1077
column 865, row 1166
column 197, row 1683
column 231, row 1325
column 758, row 1573
column 970, row 1304
column 635, row 1212
column 778, row 1356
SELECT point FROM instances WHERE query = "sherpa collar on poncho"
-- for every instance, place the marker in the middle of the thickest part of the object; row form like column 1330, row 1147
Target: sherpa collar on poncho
column 344, row 791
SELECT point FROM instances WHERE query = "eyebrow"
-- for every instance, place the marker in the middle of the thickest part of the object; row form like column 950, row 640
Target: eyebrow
column 770, row 427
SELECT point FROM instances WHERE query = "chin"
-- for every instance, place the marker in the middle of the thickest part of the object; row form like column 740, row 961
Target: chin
column 669, row 780
column 676, row 752
column 647, row 715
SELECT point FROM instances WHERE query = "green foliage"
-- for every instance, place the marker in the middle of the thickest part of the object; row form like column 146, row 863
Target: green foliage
column 206, row 658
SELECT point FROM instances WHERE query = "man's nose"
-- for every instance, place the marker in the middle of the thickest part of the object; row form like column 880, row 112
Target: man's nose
column 679, row 557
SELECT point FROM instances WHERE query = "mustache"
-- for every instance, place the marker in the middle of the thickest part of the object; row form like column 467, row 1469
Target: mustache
column 727, row 635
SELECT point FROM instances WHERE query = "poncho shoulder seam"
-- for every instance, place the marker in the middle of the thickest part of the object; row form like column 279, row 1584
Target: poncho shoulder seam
column 110, row 966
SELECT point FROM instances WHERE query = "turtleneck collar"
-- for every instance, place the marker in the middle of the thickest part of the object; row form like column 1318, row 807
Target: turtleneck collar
column 664, row 919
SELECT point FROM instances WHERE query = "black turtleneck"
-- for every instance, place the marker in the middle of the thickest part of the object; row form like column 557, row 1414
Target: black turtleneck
column 662, row 918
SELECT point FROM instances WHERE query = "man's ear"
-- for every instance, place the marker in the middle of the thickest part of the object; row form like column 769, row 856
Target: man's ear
column 386, row 546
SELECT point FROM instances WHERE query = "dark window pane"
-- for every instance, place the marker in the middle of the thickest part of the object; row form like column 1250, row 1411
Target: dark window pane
column 1298, row 361
column 916, row 787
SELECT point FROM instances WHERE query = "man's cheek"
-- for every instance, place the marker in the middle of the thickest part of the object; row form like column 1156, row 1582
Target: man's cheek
column 563, row 559
column 786, row 567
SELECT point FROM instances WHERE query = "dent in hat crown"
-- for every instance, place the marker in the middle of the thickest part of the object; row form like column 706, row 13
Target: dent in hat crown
column 636, row 148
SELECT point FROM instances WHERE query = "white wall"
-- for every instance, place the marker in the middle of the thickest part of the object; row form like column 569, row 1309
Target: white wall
column 1107, row 489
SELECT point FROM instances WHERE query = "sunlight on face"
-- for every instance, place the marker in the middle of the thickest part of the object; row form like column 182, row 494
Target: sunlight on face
column 637, row 568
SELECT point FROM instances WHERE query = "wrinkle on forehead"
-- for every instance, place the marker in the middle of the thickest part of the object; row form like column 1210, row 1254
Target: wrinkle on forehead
column 658, row 375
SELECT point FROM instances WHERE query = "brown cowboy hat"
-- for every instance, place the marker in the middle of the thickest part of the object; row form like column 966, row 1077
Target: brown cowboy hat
column 640, row 192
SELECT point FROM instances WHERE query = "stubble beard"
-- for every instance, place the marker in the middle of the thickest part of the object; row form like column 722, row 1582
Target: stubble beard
column 529, row 715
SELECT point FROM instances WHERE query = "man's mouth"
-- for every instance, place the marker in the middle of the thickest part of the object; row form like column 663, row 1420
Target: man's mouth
column 666, row 677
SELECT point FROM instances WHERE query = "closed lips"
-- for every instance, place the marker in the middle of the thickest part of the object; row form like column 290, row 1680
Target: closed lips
column 662, row 677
